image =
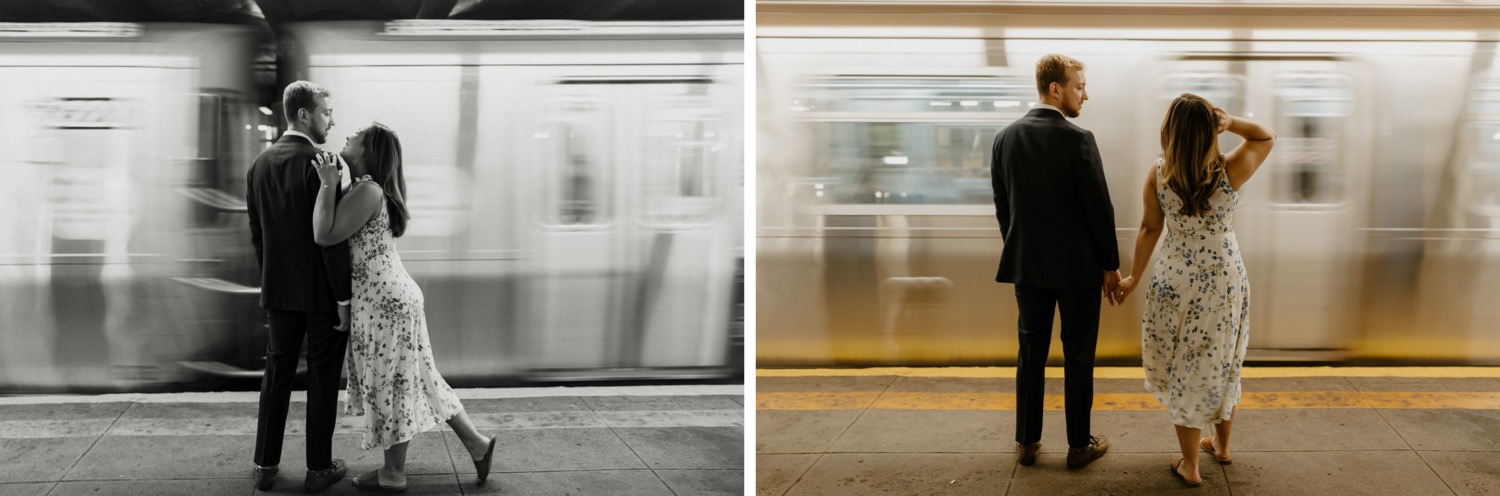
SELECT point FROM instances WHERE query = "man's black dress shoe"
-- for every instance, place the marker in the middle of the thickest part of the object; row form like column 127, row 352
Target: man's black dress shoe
column 265, row 477
column 1027, row 452
column 318, row 480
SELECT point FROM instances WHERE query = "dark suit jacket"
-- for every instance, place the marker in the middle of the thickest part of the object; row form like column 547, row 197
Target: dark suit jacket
column 1053, row 205
column 296, row 274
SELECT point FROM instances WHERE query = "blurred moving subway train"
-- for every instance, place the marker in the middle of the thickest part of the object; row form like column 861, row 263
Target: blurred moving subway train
column 576, row 195
column 1372, row 233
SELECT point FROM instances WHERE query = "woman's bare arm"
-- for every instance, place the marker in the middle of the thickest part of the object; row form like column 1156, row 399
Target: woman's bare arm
column 333, row 220
column 1244, row 160
column 1152, row 222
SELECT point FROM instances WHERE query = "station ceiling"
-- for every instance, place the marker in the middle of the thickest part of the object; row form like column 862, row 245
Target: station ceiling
column 283, row 11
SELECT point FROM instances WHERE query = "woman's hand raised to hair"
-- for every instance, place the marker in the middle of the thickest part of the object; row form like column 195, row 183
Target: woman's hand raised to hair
column 1223, row 120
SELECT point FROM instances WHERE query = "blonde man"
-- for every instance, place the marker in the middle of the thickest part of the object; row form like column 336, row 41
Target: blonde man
column 1060, row 251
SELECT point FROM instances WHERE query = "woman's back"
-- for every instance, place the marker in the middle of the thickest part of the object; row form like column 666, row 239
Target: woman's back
column 1217, row 220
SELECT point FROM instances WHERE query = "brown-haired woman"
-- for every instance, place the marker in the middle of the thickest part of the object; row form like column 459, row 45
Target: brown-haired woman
column 1196, row 324
column 393, row 381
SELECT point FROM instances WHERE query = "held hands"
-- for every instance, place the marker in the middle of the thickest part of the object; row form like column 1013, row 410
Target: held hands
column 1127, row 285
column 343, row 319
column 328, row 166
column 1111, row 287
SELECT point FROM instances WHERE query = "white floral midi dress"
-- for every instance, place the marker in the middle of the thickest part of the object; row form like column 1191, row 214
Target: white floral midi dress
column 1196, row 325
column 393, row 382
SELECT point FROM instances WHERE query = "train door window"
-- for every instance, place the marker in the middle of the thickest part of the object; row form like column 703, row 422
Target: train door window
column 919, row 140
column 1483, row 129
column 1312, row 113
column 578, row 185
column 87, row 145
column 1224, row 90
column 229, row 130
column 215, row 182
column 683, row 145
column 211, row 108
column 972, row 94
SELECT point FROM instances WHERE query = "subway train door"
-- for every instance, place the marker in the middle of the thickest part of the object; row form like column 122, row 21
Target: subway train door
column 631, row 262
column 1479, row 197
column 573, row 286
column 77, row 184
column 1312, row 180
column 686, row 153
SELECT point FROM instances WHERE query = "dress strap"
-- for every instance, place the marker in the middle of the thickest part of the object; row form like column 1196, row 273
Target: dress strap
column 360, row 180
column 1224, row 176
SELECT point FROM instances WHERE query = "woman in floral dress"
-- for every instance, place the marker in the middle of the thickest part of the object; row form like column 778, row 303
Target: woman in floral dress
column 393, row 381
column 1197, row 320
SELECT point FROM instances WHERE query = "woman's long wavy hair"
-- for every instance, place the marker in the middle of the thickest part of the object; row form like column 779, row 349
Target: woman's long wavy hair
column 383, row 164
column 1191, row 159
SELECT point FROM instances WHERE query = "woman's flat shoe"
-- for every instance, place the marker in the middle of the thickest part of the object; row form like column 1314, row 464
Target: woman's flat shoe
column 371, row 482
column 1207, row 444
column 1177, row 463
column 483, row 465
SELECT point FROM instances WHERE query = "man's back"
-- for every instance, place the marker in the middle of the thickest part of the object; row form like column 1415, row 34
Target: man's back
column 280, row 190
column 1053, row 204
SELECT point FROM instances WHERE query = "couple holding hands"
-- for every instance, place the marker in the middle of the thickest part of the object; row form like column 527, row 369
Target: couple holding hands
column 1060, row 251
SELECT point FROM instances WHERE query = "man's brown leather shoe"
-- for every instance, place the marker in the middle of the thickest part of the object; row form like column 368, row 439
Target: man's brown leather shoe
column 1078, row 457
column 1028, row 452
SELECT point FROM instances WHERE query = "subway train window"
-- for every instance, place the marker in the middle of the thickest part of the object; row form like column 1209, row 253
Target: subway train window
column 918, row 94
column 215, row 182
column 1484, row 165
column 1312, row 111
column 578, row 192
column 919, row 140
column 683, row 144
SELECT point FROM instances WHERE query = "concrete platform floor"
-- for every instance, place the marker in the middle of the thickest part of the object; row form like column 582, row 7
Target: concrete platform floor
column 646, row 440
column 917, row 431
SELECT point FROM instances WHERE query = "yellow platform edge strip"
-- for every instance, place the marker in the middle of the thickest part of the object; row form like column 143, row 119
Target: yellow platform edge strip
column 1121, row 401
column 1137, row 373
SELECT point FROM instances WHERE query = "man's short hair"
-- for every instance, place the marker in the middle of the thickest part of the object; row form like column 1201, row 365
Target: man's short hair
column 301, row 95
column 1053, row 68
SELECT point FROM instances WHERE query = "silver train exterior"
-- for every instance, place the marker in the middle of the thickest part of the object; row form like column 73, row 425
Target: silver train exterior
column 1372, row 233
column 575, row 193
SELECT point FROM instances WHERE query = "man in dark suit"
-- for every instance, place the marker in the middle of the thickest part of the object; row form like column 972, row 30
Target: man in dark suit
column 304, row 288
column 1059, row 233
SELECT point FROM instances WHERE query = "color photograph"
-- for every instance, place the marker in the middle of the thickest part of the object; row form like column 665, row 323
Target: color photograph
column 1128, row 248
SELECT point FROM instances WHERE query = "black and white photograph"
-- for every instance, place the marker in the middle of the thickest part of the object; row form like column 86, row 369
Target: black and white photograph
column 348, row 247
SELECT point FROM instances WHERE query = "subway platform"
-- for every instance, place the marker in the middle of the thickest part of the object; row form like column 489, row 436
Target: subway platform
column 1314, row 431
column 638, row 440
